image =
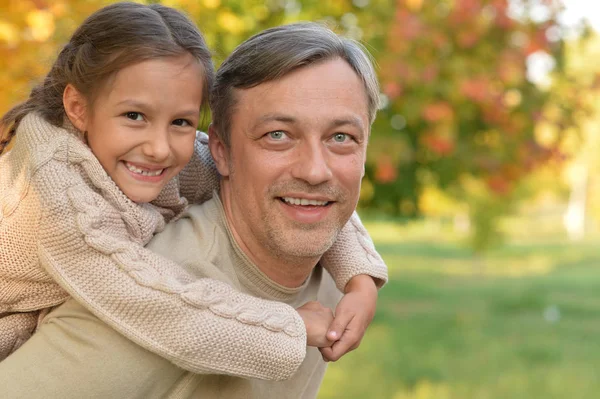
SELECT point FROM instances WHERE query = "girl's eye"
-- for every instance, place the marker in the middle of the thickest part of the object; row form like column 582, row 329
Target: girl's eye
column 181, row 122
column 276, row 135
column 340, row 137
column 134, row 116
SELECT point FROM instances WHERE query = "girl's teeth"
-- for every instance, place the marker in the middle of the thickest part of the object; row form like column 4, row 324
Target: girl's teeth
column 303, row 201
column 142, row 172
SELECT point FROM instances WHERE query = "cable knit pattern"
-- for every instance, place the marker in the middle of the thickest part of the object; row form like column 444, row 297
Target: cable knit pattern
column 18, row 327
column 354, row 253
column 200, row 293
column 200, row 167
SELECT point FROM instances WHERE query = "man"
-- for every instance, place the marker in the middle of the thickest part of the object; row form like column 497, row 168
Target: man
column 292, row 109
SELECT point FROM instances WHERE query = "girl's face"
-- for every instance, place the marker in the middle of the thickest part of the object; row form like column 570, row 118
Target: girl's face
column 142, row 125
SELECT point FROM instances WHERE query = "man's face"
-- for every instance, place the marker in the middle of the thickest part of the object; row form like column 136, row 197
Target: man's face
column 296, row 159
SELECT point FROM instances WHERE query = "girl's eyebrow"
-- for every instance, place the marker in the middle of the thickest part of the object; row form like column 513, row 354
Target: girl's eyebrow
column 133, row 103
column 144, row 106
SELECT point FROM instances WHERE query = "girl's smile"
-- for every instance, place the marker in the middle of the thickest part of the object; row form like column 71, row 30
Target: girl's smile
column 145, row 174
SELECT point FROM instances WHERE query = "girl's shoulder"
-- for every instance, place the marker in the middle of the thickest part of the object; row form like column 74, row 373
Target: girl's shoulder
column 45, row 160
column 37, row 142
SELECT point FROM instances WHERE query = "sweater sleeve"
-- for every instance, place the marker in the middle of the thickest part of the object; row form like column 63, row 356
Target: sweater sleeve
column 201, row 325
column 200, row 178
column 354, row 253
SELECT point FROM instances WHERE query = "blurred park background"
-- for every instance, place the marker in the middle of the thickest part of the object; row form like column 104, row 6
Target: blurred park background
column 482, row 187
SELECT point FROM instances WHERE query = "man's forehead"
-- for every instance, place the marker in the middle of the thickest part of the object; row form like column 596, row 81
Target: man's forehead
column 332, row 86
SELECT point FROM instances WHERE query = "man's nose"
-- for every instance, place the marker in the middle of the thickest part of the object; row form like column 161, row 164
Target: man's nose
column 313, row 163
column 156, row 146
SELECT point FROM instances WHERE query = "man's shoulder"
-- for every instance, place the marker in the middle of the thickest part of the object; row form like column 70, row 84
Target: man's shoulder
column 196, row 237
column 197, row 221
column 207, row 212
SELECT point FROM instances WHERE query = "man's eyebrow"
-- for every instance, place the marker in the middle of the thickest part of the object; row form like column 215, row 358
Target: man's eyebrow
column 274, row 117
column 350, row 120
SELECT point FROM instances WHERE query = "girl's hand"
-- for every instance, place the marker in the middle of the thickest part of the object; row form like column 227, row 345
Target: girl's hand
column 317, row 319
column 353, row 315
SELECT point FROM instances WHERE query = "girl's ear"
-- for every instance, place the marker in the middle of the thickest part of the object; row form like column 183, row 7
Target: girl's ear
column 75, row 107
column 219, row 151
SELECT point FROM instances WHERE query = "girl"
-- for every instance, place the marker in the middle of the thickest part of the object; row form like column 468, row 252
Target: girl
column 79, row 201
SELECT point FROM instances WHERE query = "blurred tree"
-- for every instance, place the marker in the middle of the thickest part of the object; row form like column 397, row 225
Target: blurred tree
column 465, row 104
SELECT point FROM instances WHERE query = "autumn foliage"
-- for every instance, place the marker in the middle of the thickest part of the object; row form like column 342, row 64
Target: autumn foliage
column 455, row 72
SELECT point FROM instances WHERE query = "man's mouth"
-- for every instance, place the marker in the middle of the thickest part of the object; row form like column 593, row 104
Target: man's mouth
column 142, row 171
column 304, row 201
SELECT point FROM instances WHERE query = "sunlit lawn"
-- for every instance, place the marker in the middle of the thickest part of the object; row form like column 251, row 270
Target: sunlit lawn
column 522, row 322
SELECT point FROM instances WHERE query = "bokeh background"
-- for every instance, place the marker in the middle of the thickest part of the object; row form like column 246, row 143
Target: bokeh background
column 481, row 189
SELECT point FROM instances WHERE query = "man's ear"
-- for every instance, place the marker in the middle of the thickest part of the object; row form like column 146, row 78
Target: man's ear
column 219, row 151
column 75, row 107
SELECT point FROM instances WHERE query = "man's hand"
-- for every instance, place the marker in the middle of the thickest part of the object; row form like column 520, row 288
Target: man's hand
column 353, row 315
column 317, row 319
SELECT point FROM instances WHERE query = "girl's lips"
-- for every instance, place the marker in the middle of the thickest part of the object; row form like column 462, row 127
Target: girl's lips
column 137, row 167
column 150, row 176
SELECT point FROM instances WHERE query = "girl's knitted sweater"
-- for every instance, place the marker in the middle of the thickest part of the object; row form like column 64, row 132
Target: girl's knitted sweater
column 66, row 229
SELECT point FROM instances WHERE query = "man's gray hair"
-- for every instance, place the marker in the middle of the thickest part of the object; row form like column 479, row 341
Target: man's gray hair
column 278, row 51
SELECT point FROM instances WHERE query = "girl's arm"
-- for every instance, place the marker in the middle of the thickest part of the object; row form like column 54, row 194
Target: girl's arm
column 353, row 254
column 201, row 325
column 199, row 178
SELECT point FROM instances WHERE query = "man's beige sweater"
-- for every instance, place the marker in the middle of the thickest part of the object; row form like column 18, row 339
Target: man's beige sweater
column 67, row 230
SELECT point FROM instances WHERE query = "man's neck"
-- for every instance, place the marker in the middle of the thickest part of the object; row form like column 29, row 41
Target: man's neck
column 287, row 271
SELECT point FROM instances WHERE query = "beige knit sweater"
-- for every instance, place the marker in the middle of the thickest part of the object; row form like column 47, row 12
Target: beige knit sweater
column 67, row 230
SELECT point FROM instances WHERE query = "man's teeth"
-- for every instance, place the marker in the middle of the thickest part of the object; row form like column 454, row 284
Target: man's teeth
column 303, row 201
column 143, row 172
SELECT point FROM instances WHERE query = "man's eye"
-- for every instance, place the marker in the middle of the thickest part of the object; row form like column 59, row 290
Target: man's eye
column 276, row 135
column 340, row 137
column 134, row 116
column 182, row 122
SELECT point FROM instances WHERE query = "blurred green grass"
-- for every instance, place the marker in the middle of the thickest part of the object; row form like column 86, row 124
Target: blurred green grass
column 522, row 321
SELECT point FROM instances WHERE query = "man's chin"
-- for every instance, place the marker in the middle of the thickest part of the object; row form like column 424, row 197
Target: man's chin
column 306, row 244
